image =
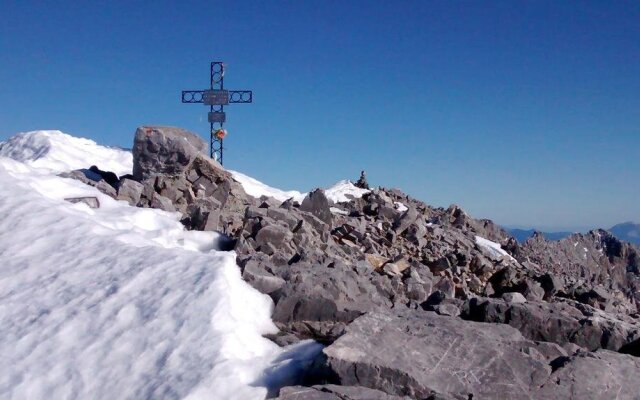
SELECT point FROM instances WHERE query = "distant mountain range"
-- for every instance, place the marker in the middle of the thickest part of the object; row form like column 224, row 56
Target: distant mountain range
column 627, row 231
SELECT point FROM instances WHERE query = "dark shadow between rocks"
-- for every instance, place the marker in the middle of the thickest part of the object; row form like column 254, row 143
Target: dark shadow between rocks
column 633, row 348
column 224, row 242
column 299, row 364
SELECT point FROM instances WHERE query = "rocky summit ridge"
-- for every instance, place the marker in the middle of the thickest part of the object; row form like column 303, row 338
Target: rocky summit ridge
column 411, row 301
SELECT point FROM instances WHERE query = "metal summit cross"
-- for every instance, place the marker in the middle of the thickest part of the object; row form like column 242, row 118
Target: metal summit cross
column 217, row 97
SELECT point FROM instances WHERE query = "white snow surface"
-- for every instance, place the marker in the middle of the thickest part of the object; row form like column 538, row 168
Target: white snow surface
column 342, row 190
column 257, row 189
column 337, row 193
column 120, row 302
column 58, row 152
column 492, row 247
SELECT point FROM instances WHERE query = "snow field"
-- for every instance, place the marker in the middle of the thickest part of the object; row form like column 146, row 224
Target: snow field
column 120, row 302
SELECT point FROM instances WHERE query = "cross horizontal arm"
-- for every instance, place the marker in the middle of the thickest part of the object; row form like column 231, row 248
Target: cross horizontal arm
column 240, row 96
column 235, row 96
column 192, row 96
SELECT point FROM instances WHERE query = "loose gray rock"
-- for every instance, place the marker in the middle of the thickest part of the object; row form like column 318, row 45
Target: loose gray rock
column 405, row 220
column 203, row 214
column 532, row 290
column 257, row 276
column 449, row 309
column 275, row 235
column 162, row 203
column 92, row 179
column 319, row 301
column 130, row 191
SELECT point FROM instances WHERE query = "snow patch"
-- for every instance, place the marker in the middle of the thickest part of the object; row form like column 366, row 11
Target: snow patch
column 400, row 206
column 58, row 152
column 336, row 210
column 340, row 192
column 492, row 247
column 255, row 188
column 343, row 190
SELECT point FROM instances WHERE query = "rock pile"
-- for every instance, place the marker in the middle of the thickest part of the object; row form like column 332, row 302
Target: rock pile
column 171, row 172
column 412, row 301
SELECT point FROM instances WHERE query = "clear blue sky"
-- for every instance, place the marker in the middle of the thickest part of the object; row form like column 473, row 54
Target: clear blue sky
column 525, row 112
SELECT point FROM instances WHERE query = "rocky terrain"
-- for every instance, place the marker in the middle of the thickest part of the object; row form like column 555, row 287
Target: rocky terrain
column 411, row 301
column 522, row 235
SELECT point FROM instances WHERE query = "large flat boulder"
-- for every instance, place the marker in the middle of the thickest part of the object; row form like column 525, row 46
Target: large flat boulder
column 418, row 353
column 424, row 355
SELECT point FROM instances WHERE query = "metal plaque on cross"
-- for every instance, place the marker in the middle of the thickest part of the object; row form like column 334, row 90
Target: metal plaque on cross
column 215, row 97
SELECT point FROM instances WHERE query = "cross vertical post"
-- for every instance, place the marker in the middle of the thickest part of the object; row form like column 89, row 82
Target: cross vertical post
column 216, row 98
column 217, row 82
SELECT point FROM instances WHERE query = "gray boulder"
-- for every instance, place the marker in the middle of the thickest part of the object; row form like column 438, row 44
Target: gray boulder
column 162, row 203
column 317, row 204
column 275, row 236
column 417, row 353
column 258, row 276
column 92, row 179
column 532, row 290
column 164, row 150
column 130, row 191
column 320, row 301
column 551, row 284
column 405, row 220
column 203, row 214
column 558, row 322
column 602, row 375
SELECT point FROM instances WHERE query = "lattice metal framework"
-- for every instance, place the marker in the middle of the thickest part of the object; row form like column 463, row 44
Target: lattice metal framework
column 216, row 98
